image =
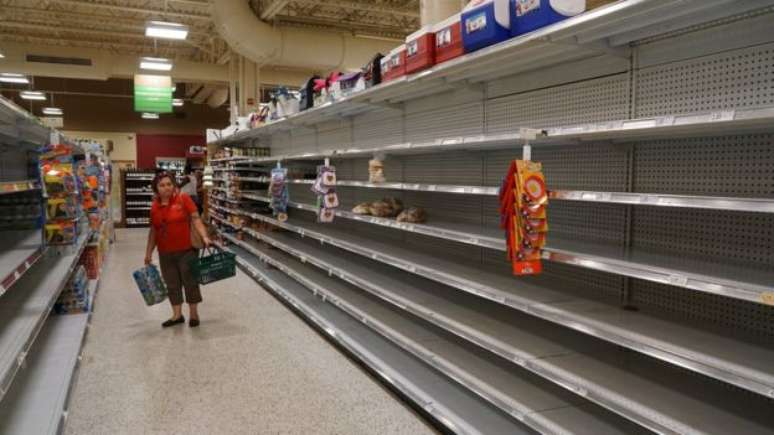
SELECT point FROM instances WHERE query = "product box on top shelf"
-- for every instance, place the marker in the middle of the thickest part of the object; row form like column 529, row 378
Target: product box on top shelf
column 394, row 64
column 372, row 71
column 448, row 39
column 529, row 15
column 306, row 99
column 484, row 23
column 348, row 84
column 420, row 50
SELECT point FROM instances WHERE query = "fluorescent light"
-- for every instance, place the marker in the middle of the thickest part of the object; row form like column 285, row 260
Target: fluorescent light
column 177, row 102
column 13, row 78
column 155, row 64
column 148, row 115
column 55, row 111
column 2, row 56
column 33, row 95
column 161, row 29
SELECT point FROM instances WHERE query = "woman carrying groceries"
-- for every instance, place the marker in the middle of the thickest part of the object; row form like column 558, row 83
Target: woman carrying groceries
column 172, row 214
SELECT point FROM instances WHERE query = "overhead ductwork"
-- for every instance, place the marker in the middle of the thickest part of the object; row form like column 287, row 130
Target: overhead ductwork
column 290, row 47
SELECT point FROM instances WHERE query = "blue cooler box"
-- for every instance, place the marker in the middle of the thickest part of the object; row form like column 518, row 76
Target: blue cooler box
column 485, row 22
column 529, row 15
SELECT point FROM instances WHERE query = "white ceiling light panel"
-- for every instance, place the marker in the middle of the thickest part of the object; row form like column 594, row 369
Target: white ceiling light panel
column 13, row 78
column 164, row 30
column 155, row 64
column 32, row 95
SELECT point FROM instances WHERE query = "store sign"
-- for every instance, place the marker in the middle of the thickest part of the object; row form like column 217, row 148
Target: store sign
column 52, row 122
column 152, row 93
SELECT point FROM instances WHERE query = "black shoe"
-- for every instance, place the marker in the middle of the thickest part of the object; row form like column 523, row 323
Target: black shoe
column 173, row 322
column 193, row 323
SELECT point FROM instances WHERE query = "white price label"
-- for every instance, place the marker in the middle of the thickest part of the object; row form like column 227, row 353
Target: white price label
column 679, row 280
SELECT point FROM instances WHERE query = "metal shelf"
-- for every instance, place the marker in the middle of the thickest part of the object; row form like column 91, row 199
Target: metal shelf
column 23, row 311
column 738, row 282
column 514, row 391
column 225, row 222
column 605, row 31
column 743, row 364
column 128, row 193
column 137, row 208
column 20, row 251
column 37, row 402
column 17, row 127
column 680, row 405
column 761, row 205
column 7, row 187
column 452, row 406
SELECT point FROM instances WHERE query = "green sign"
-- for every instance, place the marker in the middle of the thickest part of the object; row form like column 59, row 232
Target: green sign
column 152, row 93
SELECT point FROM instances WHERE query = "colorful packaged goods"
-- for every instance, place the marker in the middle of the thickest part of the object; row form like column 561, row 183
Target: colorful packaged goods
column 484, row 23
column 152, row 288
column 61, row 208
column 372, row 71
column 307, row 93
column 75, row 296
column 420, row 50
column 448, row 39
column 278, row 192
column 394, row 64
column 325, row 189
column 61, row 232
column 523, row 200
column 529, row 15
column 348, row 84
column 90, row 262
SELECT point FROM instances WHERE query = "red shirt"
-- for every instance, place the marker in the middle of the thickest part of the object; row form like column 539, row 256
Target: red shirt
column 172, row 223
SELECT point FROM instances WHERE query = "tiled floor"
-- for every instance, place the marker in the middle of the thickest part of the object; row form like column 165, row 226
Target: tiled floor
column 252, row 367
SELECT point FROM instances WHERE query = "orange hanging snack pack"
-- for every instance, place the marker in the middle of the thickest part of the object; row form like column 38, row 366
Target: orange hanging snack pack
column 523, row 200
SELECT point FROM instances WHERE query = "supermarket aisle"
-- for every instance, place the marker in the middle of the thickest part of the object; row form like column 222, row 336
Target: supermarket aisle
column 252, row 367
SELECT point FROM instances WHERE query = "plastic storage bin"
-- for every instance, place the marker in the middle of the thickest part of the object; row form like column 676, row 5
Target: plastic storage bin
column 529, row 15
column 448, row 39
column 394, row 64
column 485, row 22
column 420, row 50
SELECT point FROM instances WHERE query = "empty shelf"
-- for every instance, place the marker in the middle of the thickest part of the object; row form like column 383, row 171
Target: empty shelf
column 512, row 389
column 658, row 397
column 451, row 405
column 20, row 250
column 750, row 284
column 24, row 310
column 747, row 365
column 37, row 402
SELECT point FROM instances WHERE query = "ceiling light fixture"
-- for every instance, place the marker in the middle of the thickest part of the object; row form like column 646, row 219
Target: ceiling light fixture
column 2, row 56
column 13, row 78
column 53, row 111
column 32, row 95
column 177, row 102
column 148, row 115
column 155, row 64
column 164, row 30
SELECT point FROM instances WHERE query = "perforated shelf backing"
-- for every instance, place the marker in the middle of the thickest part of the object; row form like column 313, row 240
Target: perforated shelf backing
column 722, row 236
column 729, row 315
column 733, row 166
column 730, row 80
column 595, row 100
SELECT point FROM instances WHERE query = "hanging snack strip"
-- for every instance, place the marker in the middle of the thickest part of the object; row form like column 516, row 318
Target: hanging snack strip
column 61, row 191
column 325, row 189
column 278, row 191
column 523, row 200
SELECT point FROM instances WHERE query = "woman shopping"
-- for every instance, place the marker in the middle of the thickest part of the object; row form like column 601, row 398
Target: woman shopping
column 172, row 214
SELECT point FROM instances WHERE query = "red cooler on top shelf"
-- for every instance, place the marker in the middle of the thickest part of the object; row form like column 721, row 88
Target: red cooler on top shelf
column 394, row 64
column 448, row 39
column 420, row 50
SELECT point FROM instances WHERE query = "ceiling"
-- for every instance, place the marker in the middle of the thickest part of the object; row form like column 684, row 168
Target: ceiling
column 381, row 18
column 118, row 25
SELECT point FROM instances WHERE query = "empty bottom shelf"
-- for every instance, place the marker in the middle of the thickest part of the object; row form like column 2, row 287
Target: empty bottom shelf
column 37, row 401
column 450, row 404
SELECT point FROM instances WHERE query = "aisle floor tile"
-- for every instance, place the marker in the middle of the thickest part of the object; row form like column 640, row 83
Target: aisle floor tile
column 252, row 367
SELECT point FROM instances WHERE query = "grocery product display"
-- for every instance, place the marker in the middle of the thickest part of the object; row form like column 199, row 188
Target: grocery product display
column 137, row 197
column 325, row 189
column 562, row 212
column 59, row 228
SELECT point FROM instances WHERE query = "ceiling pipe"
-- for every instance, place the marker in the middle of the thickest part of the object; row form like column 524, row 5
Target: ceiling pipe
column 435, row 11
column 245, row 34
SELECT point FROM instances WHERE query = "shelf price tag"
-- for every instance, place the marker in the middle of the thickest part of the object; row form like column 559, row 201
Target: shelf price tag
column 767, row 298
column 678, row 280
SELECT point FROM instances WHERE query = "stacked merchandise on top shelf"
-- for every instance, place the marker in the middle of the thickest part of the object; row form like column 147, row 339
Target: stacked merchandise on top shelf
column 62, row 191
column 96, row 172
column 138, row 196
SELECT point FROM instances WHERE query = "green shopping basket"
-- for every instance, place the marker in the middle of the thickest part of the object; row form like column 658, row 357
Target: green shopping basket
column 214, row 264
